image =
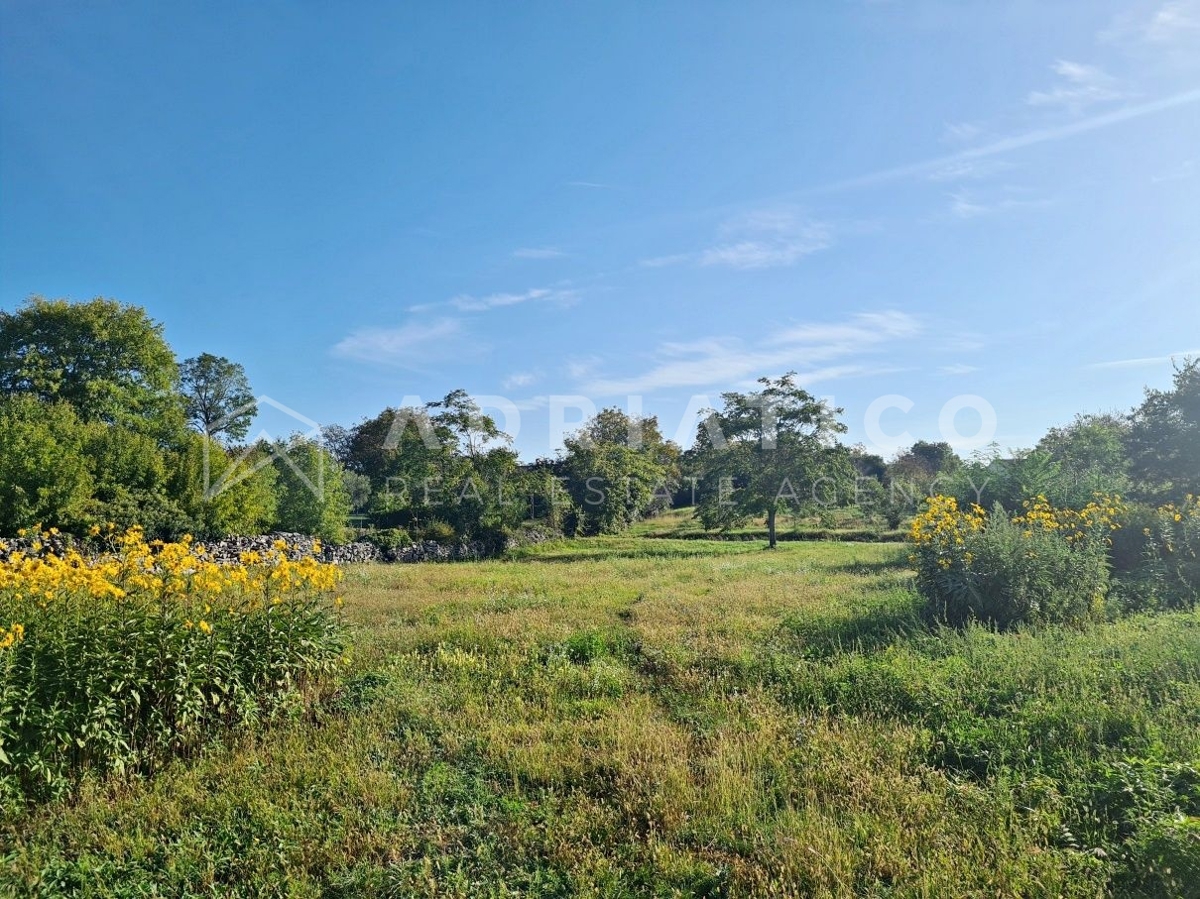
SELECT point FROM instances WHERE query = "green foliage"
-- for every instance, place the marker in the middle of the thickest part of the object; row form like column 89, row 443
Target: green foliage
column 1091, row 457
column 389, row 540
column 217, row 396
column 141, row 653
column 1164, row 441
column 439, row 532
column 312, row 497
column 44, row 478
column 106, row 359
column 619, row 469
column 1006, row 571
column 769, row 451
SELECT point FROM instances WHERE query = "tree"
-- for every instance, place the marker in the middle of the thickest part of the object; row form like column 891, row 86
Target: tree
column 460, row 416
column 107, row 360
column 217, row 396
column 1164, row 440
column 923, row 462
column 312, row 495
column 768, row 450
column 44, row 478
column 1091, row 455
column 619, row 469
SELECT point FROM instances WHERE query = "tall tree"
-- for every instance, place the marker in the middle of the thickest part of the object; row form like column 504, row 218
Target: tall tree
column 619, row 468
column 769, row 450
column 1164, row 441
column 107, row 359
column 217, row 396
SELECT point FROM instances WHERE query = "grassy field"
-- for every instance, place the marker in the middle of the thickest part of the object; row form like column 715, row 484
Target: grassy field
column 634, row 717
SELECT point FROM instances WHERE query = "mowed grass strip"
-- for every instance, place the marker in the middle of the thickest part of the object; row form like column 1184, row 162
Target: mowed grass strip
column 625, row 717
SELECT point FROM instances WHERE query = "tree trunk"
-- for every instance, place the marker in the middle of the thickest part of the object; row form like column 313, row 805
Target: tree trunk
column 771, row 528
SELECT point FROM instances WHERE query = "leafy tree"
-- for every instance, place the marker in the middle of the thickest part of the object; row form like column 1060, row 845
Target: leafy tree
column 217, row 396
column 776, row 449
column 619, row 468
column 44, row 478
column 107, row 359
column 239, row 495
column 132, row 483
column 312, row 495
column 923, row 462
column 1091, row 456
column 1164, row 441
column 460, row 416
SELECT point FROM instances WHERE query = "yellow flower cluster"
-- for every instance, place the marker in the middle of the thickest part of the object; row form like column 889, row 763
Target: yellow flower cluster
column 14, row 633
column 159, row 571
column 1100, row 515
column 942, row 521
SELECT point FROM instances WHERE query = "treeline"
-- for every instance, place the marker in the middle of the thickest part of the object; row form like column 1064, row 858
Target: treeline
column 101, row 423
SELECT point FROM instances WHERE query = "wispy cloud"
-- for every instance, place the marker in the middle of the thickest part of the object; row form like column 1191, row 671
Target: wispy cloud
column 538, row 253
column 965, row 205
column 969, row 169
column 1081, row 86
column 470, row 303
column 1174, row 21
column 818, row 351
column 1147, row 361
column 407, row 345
column 662, row 261
column 765, row 238
column 959, row 369
column 589, row 185
column 1015, row 142
column 519, row 379
column 961, row 132
column 768, row 239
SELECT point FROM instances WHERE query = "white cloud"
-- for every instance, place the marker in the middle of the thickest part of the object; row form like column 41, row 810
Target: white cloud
column 767, row 239
column 583, row 368
column 958, row 369
column 519, row 379
column 969, row 169
column 818, row 351
column 532, row 404
column 661, row 261
column 412, row 343
column 1082, row 86
column 964, row 205
column 1174, row 21
column 1147, row 361
column 1015, row 142
column 961, row 132
column 538, row 253
column 469, row 303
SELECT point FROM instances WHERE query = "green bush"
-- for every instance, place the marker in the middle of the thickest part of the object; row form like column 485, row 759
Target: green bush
column 1045, row 565
column 389, row 540
column 439, row 532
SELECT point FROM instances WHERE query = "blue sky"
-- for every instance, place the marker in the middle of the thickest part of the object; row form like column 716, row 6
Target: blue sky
column 363, row 203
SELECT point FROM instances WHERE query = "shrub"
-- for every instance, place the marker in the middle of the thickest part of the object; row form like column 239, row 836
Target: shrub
column 114, row 662
column 1173, row 552
column 1043, row 565
column 439, row 532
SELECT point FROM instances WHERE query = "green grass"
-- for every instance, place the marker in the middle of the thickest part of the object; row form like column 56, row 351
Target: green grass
column 631, row 717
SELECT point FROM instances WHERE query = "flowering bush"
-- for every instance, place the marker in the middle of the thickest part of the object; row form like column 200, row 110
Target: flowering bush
column 113, row 661
column 1172, row 564
column 1044, row 564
